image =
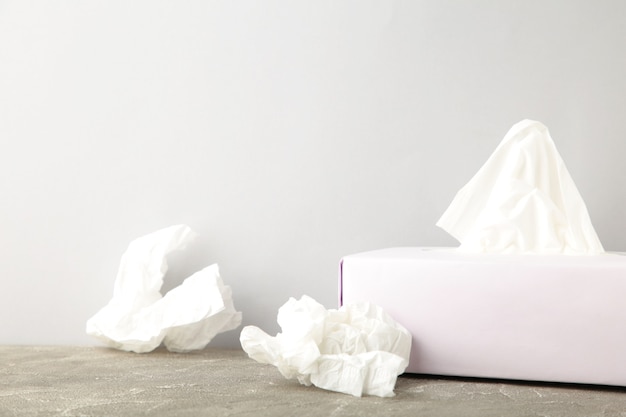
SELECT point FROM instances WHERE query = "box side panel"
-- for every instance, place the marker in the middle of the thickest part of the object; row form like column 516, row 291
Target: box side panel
column 502, row 320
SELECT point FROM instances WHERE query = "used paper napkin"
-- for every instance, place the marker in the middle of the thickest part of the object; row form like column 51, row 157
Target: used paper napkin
column 522, row 200
column 138, row 318
column 356, row 350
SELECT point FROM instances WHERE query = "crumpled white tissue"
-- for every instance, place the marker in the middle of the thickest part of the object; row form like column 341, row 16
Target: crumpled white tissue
column 522, row 200
column 356, row 350
column 138, row 318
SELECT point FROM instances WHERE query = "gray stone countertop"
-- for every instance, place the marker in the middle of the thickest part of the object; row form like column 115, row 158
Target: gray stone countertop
column 92, row 381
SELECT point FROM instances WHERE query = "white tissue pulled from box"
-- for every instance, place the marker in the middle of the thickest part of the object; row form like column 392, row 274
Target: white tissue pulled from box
column 522, row 200
column 138, row 318
column 356, row 350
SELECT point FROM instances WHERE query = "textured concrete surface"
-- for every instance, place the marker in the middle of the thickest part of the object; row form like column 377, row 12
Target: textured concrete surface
column 87, row 381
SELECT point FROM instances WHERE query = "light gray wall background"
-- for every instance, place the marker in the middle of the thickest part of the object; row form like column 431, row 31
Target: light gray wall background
column 286, row 133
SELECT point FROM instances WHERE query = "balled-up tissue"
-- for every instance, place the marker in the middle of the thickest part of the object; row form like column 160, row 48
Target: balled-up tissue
column 522, row 200
column 138, row 318
column 356, row 350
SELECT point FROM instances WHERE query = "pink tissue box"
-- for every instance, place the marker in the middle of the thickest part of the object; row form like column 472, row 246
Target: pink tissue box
column 552, row 318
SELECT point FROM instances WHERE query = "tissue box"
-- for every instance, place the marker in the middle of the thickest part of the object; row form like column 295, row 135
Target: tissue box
column 551, row 318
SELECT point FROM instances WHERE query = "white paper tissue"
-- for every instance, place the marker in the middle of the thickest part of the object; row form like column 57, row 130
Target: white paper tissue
column 356, row 350
column 138, row 318
column 522, row 200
